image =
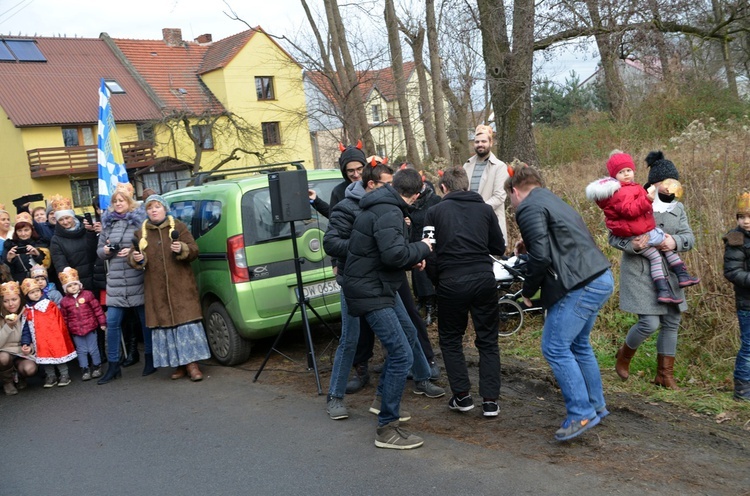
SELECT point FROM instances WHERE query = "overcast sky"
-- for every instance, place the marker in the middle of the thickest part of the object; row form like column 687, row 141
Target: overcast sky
column 144, row 19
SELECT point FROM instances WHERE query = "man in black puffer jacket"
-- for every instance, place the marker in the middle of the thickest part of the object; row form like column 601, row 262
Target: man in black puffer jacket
column 575, row 281
column 378, row 254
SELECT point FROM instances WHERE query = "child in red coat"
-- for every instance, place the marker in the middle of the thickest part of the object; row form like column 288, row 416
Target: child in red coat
column 83, row 314
column 46, row 330
column 629, row 212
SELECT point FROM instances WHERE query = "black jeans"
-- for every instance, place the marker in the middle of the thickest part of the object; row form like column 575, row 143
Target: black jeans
column 367, row 338
column 457, row 297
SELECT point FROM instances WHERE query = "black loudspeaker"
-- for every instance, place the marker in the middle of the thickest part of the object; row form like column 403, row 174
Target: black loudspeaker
column 289, row 200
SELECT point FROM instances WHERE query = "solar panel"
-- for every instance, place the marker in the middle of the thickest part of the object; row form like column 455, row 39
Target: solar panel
column 5, row 53
column 25, row 50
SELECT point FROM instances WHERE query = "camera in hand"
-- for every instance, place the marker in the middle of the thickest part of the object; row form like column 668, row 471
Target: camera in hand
column 114, row 246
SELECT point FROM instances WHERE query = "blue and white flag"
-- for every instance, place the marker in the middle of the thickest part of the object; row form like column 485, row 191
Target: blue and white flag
column 109, row 155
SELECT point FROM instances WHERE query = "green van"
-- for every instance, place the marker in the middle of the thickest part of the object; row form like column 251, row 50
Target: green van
column 245, row 271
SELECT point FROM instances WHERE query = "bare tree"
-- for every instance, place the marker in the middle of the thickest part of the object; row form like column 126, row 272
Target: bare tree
column 437, row 87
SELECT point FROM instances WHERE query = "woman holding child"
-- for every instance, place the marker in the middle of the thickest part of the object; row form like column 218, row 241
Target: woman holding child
column 638, row 294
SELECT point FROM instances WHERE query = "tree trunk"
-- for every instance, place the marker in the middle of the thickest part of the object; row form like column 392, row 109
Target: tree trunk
column 437, row 75
column 416, row 41
column 726, row 54
column 608, row 45
column 397, row 64
column 346, row 73
column 459, row 125
column 661, row 45
column 509, row 75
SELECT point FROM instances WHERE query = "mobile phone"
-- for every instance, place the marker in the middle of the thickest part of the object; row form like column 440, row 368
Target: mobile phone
column 87, row 216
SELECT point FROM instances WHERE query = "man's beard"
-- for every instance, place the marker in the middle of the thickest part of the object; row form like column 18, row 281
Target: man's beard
column 483, row 154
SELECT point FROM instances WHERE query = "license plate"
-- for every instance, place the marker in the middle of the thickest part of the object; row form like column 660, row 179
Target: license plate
column 321, row 289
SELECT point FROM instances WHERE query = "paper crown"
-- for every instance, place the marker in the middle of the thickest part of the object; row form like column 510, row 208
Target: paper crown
column 10, row 288
column 484, row 129
column 125, row 189
column 671, row 187
column 68, row 275
column 24, row 218
column 28, row 284
column 743, row 203
column 38, row 270
column 61, row 203
column 2, row 208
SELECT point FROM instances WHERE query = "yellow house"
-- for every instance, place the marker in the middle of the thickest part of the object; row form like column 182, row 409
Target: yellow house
column 241, row 96
column 48, row 114
column 241, row 99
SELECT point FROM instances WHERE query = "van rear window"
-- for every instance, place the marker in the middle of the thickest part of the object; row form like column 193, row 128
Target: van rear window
column 257, row 221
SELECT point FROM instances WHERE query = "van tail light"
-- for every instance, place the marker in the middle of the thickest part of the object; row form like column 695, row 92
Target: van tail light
column 237, row 260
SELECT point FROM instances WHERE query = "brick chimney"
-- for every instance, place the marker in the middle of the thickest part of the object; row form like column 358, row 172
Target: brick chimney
column 172, row 36
column 204, row 38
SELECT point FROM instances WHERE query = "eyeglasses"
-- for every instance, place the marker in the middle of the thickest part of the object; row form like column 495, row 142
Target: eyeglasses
column 351, row 172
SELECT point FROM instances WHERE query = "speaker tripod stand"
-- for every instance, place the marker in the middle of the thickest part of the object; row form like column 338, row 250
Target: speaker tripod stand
column 302, row 306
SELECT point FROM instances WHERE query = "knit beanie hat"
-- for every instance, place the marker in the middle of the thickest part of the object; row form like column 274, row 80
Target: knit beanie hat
column 351, row 154
column 38, row 270
column 660, row 168
column 618, row 161
column 156, row 198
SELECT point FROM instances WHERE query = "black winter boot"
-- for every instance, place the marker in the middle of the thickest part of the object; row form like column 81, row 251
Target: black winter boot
column 664, row 293
column 741, row 390
column 148, row 364
column 359, row 380
column 683, row 277
column 131, row 347
column 113, row 372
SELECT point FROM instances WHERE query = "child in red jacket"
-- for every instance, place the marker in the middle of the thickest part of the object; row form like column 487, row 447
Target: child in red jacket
column 629, row 212
column 83, row 314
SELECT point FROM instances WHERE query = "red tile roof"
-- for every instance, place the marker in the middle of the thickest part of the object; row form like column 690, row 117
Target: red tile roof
column 64, row 90
column 220, row 53
column 172, row 73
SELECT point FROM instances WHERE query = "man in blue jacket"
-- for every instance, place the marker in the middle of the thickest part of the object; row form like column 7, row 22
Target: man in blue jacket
column 378, row 253
column 575, row 283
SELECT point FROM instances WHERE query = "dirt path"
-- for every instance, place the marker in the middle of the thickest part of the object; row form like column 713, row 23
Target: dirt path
column 653, row 446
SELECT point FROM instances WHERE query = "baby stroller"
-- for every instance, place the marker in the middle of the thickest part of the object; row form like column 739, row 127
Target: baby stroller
column 510, row 275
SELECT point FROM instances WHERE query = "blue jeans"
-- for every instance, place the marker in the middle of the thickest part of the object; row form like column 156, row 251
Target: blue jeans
column 386, row 326
column 742, row 363
column 344, row 358
column 114, row 331
column 86, row 345
column 566, row 346
column 421, row 367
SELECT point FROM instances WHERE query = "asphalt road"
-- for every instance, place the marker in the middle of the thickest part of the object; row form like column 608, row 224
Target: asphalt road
column 227, row 436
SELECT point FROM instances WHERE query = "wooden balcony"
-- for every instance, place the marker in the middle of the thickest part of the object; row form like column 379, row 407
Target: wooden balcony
column 63, row 161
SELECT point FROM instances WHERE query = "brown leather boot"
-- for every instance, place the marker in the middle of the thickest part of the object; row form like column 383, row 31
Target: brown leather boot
column 178, row 373
column 624, row 355
column 665, row 372
column 7, row 378
column 194, row 372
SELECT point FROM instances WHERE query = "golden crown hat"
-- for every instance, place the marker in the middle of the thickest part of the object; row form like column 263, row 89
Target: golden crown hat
column 743, row 203
column 484, row 129
column 61, row 203
column 125, row 189
column 671, row 187
column 2, row 208
column 68, row 275
column 28, row 284
column 38, row 270
column 24, row 218
column 10, row 288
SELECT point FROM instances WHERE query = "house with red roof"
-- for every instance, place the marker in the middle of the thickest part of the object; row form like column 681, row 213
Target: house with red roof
column 378, row 89
column 180, row 106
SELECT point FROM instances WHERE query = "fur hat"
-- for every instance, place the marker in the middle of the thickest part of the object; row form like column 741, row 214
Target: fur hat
column 38, row 270
column 68, row 276
column 62, row 206
column 660, row 168
column 147, row 192
column 351, row 154
column 28, row 285
column 619, row 160
column 10, row 288
column 743, row 203
column 24, row 218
